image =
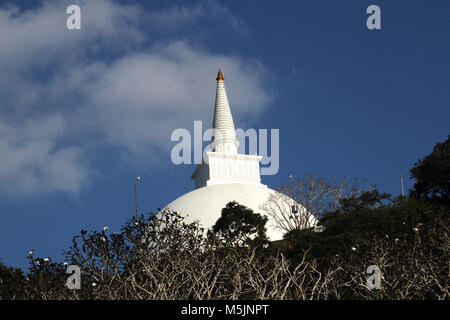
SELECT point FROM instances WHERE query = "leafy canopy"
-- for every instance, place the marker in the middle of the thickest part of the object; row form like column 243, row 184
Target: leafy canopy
column 240, row 225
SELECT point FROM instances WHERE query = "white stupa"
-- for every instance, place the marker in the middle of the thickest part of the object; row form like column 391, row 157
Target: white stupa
column 227, row 176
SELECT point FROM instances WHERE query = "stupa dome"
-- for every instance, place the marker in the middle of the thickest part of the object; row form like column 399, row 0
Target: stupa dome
column 205, row 204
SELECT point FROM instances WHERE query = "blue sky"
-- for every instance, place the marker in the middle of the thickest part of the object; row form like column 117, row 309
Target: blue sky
column 82, row 113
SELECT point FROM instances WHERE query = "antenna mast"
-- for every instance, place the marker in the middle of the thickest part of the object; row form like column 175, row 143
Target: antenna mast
column 401, row 179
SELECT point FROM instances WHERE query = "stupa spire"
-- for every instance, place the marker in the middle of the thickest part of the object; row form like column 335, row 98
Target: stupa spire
column 223, row 125
column 223, row 164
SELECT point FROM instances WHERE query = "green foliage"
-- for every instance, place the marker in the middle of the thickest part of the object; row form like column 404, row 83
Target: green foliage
column 367, row 200
column 12, row 281
column 432, row 174
column 365, row 218
column 240, row 225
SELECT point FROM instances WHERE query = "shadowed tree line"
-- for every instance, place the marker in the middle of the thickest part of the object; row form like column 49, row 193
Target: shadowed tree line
column 164, row 257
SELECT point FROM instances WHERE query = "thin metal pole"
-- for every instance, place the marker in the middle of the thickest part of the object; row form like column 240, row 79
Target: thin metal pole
column 401, row 179
column 292, row 185
column 136, row 195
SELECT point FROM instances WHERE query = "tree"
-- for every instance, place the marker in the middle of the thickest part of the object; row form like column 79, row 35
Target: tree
column 240, row 225
column 12, row 282
column 163, row 257
column 297, row 205
column 432, row 174
column 367, row 200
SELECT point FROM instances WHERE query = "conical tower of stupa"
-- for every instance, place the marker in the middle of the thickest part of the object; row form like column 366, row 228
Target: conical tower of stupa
column 224, row 164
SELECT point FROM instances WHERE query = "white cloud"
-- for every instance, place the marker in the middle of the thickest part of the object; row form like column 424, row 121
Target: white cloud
column 140, row 99
column 58, row 92
column 30, row 163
